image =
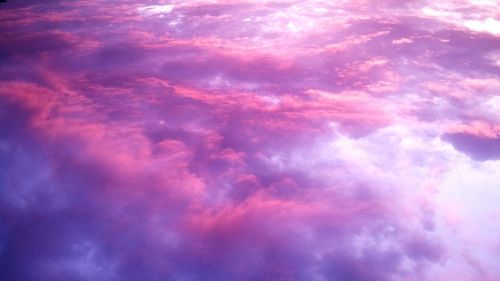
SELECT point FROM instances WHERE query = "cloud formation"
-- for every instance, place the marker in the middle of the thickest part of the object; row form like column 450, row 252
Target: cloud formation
column 249, row 140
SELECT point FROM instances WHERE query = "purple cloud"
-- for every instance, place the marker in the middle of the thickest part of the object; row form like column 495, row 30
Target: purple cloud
column 249, row 140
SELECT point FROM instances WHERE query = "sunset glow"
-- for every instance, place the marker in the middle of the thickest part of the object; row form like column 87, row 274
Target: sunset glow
column 246, row 140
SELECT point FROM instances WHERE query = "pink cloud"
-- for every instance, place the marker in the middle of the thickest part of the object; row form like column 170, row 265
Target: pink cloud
column 248, row 140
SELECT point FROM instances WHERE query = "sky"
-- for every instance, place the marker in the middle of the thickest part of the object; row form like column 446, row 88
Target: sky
column 246, row 140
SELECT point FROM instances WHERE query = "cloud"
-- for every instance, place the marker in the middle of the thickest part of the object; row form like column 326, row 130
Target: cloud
column 480, row 140
column 248, row 140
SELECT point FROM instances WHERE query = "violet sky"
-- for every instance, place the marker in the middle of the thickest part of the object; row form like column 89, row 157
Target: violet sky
column 250, row 140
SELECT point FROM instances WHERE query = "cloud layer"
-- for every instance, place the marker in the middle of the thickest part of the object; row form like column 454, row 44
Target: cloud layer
column 249, row 140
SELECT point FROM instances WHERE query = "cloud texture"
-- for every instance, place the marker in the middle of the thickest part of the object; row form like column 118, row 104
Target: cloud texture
column 249, row 140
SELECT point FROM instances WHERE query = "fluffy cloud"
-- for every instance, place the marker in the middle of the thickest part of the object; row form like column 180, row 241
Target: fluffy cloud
column 249, row 140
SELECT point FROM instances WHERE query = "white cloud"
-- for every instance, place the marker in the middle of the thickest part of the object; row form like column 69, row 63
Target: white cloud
column 476, row 15
column 156, row 9
column 489, row 25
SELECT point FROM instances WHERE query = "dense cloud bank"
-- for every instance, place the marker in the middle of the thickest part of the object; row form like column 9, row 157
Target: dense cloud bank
column 249, row 140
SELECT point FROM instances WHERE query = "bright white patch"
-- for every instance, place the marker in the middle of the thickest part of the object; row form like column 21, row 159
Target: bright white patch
column 402, row 41
column 475, row 15
column 156, row 9
column 484, row 2
column 489, row 25
column 441, row 13
column 298, row 19
column 468, row 211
